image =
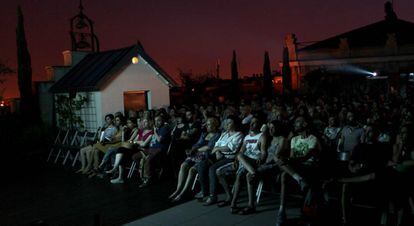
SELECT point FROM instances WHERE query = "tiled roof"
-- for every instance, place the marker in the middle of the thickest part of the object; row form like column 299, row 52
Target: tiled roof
column 93, row 71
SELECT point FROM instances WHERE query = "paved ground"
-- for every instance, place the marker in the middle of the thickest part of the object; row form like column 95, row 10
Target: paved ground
column 193, row 213
column 37, row 191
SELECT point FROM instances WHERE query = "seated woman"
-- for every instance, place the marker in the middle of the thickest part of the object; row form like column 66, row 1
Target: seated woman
column 224, row 152
column 252, row 154
column 137, row 144
column 86, row 152
column 129, row 134
column 103, row 147
column 158, row 145
column 196, row 154
column 278, row 149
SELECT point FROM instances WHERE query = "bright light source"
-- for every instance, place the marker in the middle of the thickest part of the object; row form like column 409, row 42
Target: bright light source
column 374, row 74
column 135, row 60
column 411, row 74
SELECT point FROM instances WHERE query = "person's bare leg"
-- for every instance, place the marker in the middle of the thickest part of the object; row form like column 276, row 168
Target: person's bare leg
column 281, row 217
column 250, row 193
column 298, row 178
column 222, row 180
column 282, row 207
column 118, row 158
column 82, row 157
column 96, row 159
column 88, row 160
column 182, row 175
column 246, row 164
column 190, row 177
column 344, row 203
column 236, row 193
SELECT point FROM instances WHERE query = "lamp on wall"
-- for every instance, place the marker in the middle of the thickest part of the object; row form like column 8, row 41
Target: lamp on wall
column 135, row 59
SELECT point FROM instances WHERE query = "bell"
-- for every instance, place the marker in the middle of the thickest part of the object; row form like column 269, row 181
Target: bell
column 81, row 24
column 83, row 44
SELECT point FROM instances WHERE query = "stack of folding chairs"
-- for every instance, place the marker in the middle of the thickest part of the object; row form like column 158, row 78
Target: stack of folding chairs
column 67, row 144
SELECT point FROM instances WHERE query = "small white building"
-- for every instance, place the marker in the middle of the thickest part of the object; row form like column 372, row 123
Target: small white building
column 112, row 81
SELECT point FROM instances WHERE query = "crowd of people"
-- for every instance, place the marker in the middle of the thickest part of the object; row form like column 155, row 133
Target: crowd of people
column 315, row 142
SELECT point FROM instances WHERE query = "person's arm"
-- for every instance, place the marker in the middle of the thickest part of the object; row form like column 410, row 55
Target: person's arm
column 281, row 151
column 146, row 141
column 263, row 149
column 340, row 143
column 210, row 144
column 115, row 137
column 161, row 135
column 232, row 146
column 133, row 136
column 358, row 179
column 157, row 137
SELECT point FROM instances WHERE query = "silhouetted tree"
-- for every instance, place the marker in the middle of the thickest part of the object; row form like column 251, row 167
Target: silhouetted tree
column 234, row 77
column 286, row 72
column 24, row 69
column 267, row 77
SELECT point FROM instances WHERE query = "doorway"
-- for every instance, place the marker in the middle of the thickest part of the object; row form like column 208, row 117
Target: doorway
column 135, row 100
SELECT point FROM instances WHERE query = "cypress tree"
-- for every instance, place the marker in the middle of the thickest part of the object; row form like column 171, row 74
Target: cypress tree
column 24, row 68
column 267, row 77
column 234, row 77
column 286, row 72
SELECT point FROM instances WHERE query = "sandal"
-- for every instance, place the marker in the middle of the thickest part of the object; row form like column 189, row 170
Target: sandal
column 234, row 209
column 93, row 173
column 177, row 198
column 247, row 210
column 223, row 203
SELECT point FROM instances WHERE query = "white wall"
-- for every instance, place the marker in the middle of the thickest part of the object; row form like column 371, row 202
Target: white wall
column 45, row 99
column 135, row 77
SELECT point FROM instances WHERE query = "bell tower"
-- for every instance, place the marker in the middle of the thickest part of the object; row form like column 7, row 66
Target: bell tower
column 83, row 37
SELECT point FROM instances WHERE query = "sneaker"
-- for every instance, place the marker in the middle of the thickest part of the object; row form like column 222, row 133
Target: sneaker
column 117, row 181
column 210, row 200
column 199, row 195
column 145, row 183
column 247, row 210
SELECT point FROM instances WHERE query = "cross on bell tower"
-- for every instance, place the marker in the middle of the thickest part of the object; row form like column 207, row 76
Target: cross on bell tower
column 82, row 35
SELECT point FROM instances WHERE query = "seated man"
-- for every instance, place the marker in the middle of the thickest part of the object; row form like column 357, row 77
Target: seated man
column 158, row 145
column 252, row 155
column 301, row 165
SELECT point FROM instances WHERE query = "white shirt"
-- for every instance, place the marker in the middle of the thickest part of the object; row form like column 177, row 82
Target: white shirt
column 232, row 142
column 252, row 146
column 301, row 146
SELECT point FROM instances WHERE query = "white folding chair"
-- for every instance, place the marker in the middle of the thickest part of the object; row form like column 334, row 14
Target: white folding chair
column 89, row 137
column 65, row 143
column 75, row 146
column 259, row 191
column 57, row 142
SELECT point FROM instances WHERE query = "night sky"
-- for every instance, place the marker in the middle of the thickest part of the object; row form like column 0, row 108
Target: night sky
column 186, row 34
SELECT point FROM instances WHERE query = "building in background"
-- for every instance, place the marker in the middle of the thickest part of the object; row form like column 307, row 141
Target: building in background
column 111, row 81
column 385, row 48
